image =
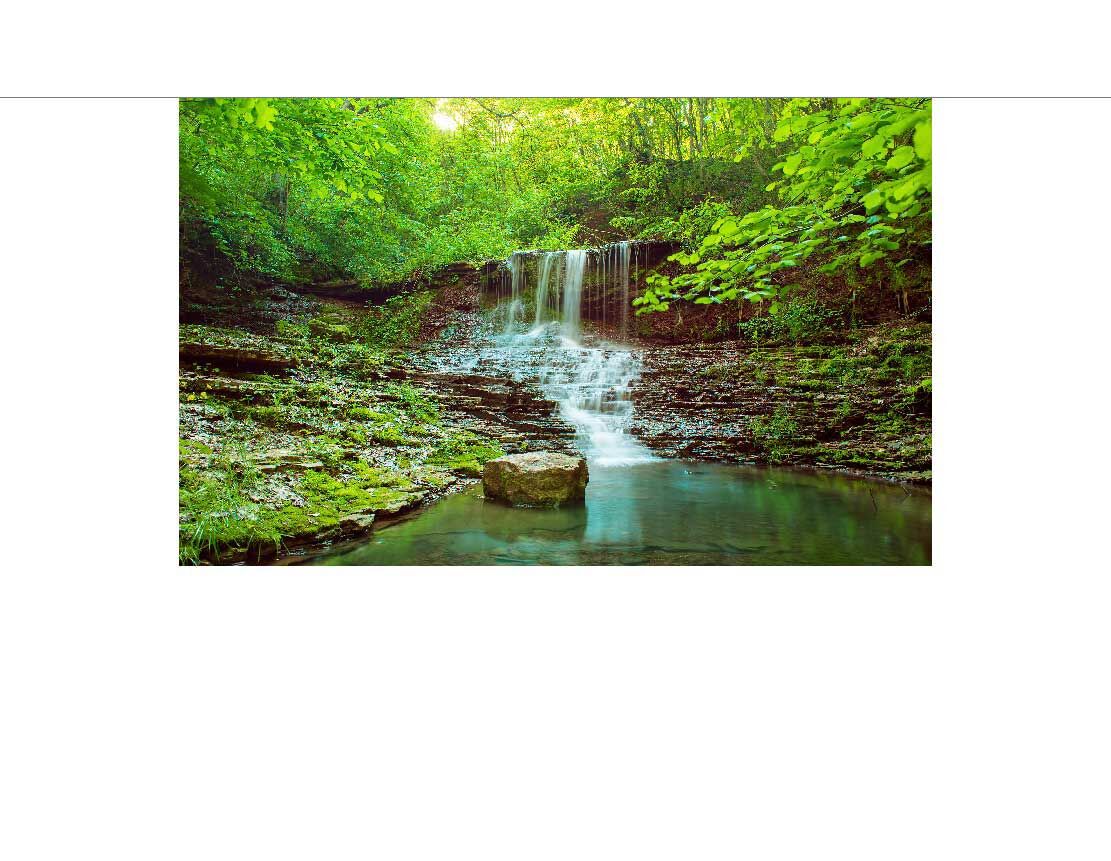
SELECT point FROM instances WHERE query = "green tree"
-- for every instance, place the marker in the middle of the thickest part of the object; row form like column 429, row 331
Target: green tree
column 855, row 191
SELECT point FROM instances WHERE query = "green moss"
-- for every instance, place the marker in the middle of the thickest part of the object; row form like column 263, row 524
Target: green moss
column 364, row 414
column 216, row 512
column 418, row 404
column 186, row 447
column 327, row 449
column 355, row 434
column 328, row 499
column 288, row 329
column 775, row 433
column 373, row 476
column 389, row 434
column 330, row 330
column 465, row 452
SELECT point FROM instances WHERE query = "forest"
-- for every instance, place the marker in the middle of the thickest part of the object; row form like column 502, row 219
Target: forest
column 723, row 300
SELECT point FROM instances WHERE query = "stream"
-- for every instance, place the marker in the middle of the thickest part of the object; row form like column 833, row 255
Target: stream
column 640, row 509
column 670, row 512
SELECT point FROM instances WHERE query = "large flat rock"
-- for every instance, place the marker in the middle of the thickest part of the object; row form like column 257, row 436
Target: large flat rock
column 542, row 478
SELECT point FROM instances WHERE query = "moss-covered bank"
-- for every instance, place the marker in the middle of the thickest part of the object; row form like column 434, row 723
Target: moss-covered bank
column 305, row 429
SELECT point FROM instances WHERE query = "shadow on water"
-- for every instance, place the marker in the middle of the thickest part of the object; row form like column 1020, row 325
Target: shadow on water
column 668, row 512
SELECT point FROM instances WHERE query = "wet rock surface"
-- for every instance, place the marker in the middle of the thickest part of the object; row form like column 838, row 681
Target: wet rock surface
column 512, row 412
column 542, row 478
column 862, row 405
column 232, row 349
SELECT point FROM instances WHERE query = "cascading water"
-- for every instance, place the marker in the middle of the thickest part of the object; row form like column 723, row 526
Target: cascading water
column 613, row 279
column 623, row 280
column 574, row 263
column 551, row 260
column 517, row 285
column 590, row 383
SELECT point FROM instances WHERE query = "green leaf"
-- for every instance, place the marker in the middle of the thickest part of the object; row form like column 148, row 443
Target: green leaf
column 873, row 199
column 903, row 156
column 923, row 140
column 792, row 164
column 873, row 146
column 264, row 116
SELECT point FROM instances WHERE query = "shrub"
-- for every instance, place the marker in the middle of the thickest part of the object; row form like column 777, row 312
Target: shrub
column 774, row 433
column 800, row 321
column 394, row 324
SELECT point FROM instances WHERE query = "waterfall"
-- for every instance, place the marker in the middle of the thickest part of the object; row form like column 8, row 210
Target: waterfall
column 573, row 265
column 517, row 285
column 551, row 260
column 592, row 386
column 590, row 381
column 623, row 281
column 613, row 278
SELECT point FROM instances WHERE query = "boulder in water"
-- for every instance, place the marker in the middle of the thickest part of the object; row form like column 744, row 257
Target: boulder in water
column 542, row 478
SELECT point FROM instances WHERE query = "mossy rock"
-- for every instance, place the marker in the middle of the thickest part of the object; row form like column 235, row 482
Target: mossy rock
column 332, row 331
column 542, row 478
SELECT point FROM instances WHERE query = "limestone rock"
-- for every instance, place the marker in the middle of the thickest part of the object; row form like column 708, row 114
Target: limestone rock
column 542, row 478
column 357, row 523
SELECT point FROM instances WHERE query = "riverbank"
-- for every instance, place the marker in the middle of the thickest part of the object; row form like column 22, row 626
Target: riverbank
column 303, row 419
column 308, row 418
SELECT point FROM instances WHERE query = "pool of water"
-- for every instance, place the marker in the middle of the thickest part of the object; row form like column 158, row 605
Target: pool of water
column 668, row 512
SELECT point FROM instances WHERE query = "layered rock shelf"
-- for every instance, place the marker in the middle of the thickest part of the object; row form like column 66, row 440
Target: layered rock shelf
column 858, row 405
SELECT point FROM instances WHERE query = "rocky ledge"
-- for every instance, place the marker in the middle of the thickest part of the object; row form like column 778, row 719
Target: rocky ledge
column 862, row 405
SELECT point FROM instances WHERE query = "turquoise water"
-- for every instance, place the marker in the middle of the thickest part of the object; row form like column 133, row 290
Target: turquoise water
column 669, row 512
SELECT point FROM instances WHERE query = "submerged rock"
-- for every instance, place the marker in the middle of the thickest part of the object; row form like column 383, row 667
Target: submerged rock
column 536, row 478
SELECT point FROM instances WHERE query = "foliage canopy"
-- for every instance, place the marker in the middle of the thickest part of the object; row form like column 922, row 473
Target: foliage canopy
column 382, row 190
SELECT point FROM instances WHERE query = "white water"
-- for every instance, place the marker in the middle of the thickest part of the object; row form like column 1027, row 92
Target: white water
column 552, row 260
column 515, row 306
column 592, row 387
column 590, row 383
column 574, row 262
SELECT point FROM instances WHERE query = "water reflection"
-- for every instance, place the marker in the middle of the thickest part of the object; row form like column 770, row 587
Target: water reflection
column 671, row 513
